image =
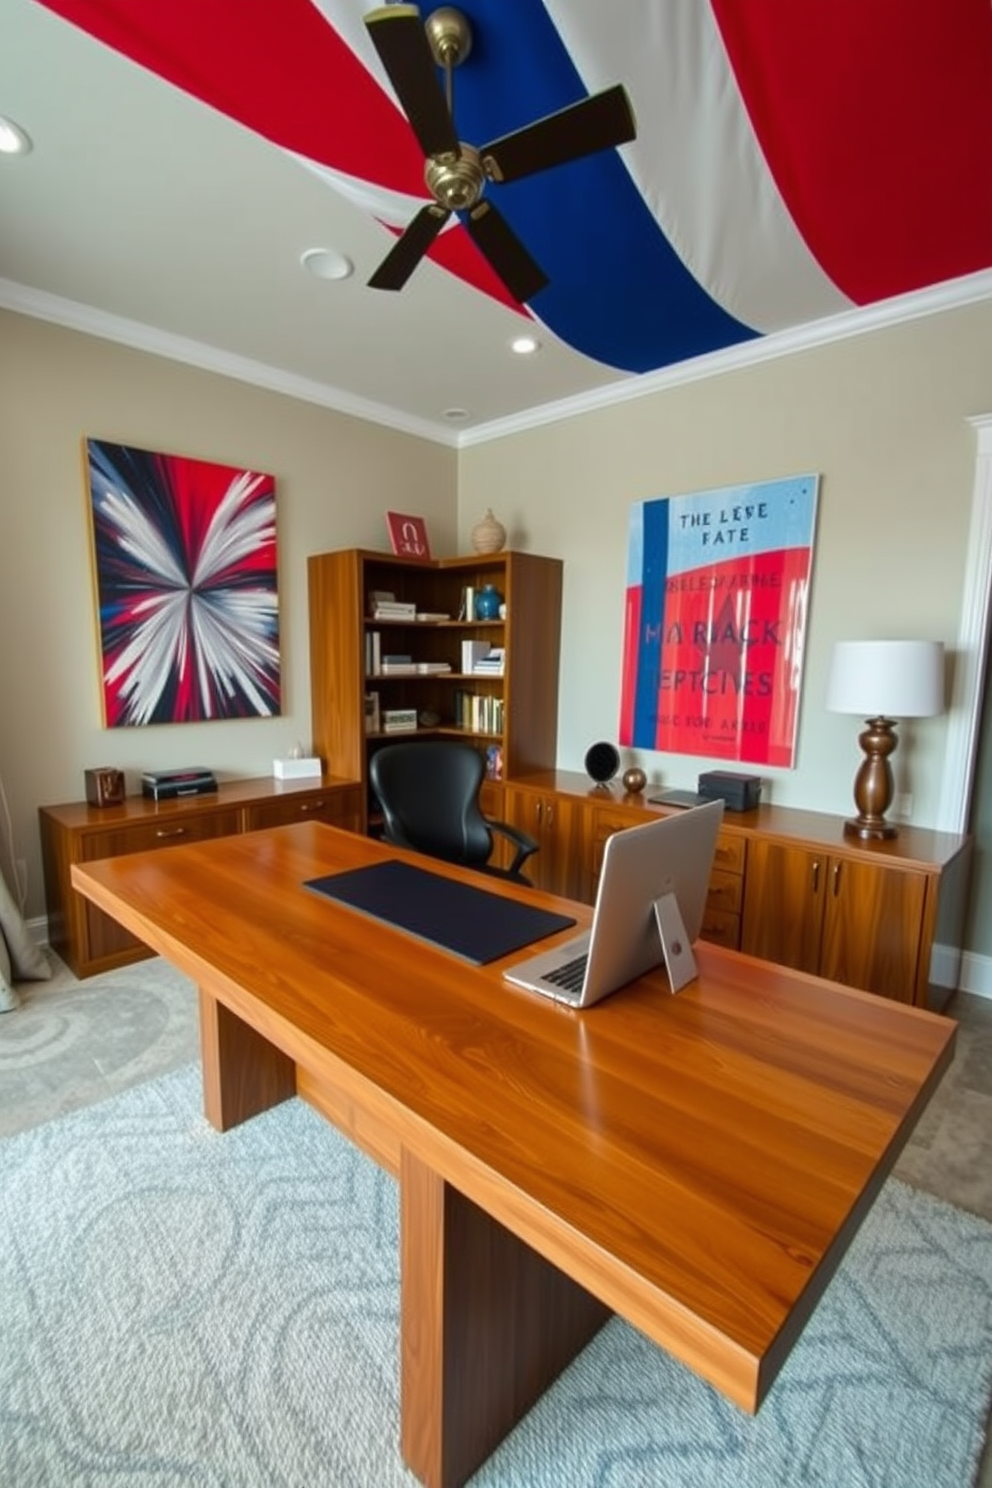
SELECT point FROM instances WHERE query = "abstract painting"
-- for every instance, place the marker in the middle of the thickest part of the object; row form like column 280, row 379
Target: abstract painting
column 716, row 600
column 185, row 568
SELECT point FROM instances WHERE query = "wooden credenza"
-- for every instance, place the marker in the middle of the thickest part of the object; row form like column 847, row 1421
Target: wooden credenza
column 787, row 885
column 90, row 941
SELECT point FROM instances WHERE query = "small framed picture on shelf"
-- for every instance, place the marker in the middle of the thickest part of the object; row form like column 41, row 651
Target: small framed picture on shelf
column 373, row 721
column 494, row 762
column 408, row 535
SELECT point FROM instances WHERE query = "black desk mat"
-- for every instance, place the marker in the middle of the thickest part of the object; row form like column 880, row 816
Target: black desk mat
column 471, row 922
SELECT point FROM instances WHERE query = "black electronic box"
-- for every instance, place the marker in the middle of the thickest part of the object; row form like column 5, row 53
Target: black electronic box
column 166, row 785
column 737, row 792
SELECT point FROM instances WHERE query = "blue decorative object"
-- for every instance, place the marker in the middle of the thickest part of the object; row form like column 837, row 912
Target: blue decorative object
column 487, row 603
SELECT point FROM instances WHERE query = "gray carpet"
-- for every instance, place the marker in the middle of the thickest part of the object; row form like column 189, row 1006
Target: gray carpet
column 178, row 1307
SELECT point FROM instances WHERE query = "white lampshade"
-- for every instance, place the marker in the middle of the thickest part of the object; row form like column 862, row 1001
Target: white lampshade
column 887, row 679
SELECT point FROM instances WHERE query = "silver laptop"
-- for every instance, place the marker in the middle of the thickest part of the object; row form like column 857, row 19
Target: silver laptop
column 649, row 911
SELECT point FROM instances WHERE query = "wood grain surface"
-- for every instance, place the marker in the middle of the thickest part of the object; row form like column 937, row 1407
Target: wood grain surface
column 698, row 1163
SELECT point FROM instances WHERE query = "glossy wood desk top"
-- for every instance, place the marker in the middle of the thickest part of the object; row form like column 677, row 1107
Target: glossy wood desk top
column 698, row 1162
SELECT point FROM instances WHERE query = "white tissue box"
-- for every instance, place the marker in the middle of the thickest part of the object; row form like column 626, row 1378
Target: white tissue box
column 297, row 769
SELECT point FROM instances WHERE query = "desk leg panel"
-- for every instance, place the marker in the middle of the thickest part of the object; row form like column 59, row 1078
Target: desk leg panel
column 486, row 1326
column 243, row 1074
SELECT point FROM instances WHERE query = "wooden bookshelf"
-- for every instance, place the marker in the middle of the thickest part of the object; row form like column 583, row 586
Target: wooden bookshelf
column 522, row 701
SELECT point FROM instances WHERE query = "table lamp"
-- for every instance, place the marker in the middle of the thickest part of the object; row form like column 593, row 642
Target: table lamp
column 883, row 681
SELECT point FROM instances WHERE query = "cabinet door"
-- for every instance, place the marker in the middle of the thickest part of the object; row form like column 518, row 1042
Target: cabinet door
column 872, row 927
column 560, row 864
column 783, row 904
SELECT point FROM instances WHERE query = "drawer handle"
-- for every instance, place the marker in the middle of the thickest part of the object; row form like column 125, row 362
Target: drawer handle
column 163, row 833
column 306, row 806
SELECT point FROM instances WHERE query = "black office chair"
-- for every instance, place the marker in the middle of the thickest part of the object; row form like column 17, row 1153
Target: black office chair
column 429, row 794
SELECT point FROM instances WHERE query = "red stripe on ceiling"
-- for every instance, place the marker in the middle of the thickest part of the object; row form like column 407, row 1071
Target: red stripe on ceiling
column 875, row 118
column 278, row 68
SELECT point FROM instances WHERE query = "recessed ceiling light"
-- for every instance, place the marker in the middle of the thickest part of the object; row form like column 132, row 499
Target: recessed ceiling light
column 456, row 415
column 326, row 263
column 13, row 139
column 525, row 345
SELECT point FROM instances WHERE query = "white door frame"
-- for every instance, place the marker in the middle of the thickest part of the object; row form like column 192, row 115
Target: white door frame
column 972, row 645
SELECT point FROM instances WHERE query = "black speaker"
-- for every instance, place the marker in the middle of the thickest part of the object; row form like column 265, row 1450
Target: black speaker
column 602, row 762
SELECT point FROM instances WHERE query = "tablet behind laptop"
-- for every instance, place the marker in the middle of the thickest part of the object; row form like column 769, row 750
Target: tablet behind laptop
column 649, row 909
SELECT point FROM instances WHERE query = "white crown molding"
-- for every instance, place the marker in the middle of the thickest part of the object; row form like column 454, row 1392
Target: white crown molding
column 77, row 317
column 43, row 306
column 951, row 296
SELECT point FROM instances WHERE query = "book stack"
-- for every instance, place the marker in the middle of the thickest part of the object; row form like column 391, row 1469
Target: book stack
column 434, row 615
column 491, row 664
column 433, row 667
column 396, row 663
column 393, row 609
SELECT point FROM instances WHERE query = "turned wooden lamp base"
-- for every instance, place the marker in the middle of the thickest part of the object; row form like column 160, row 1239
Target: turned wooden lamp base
column 873, row 784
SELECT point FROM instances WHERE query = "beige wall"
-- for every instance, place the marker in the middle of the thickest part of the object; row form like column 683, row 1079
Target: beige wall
column 881, row 417
column 335, row 477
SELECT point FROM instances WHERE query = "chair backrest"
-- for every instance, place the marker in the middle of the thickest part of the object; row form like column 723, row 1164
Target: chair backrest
column 429, row 794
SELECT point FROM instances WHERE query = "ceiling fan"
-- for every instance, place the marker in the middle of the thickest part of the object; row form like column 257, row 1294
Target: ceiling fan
column 456, row 174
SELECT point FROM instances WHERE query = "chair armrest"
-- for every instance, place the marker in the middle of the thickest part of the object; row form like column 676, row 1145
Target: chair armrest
column 525, row 845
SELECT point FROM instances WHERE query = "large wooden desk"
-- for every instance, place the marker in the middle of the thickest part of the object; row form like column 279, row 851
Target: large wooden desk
column 697, row 1163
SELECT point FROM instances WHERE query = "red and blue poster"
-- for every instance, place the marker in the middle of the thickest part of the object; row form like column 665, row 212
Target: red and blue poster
column 716, row 602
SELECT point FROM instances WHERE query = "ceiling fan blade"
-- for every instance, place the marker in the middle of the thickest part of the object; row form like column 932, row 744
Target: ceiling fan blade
column 597, row 123
column 494, row 236
column 409, row 248
column 398, row 35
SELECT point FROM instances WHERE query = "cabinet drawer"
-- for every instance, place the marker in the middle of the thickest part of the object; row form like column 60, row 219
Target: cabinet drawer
column 730, row 853
column 338, row 808
column 163, row 832
column 721, row 928
column 726, row 891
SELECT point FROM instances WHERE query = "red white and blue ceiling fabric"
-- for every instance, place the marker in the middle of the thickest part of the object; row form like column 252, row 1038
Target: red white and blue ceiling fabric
column 794, row 158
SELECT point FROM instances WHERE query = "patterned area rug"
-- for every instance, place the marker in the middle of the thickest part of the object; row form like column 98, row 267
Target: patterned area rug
column 181, row 1307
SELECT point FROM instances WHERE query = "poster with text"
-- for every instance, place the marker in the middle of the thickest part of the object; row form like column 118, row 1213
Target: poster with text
column 716, row 600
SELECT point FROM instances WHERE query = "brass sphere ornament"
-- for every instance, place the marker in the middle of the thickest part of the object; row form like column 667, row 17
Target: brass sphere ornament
column 634, row 780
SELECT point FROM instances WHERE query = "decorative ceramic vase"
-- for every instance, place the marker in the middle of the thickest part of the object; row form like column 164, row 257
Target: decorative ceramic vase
column 487, row 603
column 489, row 535
column 634, row 780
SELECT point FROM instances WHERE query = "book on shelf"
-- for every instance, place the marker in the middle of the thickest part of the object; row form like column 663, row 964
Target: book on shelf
column 372, row 717
column 398, row 669
column 373, row 652
column 433, row 615
column 433, row 667
column 473, row 651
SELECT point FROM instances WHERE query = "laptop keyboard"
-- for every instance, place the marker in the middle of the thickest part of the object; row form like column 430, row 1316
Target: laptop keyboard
column 570, row 975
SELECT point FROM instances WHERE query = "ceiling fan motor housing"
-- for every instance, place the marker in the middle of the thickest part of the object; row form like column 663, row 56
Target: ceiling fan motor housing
column 455, row 181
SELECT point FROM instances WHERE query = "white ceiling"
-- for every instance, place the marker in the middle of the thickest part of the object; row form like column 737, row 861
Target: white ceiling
column 143, row 215
column 139, row 202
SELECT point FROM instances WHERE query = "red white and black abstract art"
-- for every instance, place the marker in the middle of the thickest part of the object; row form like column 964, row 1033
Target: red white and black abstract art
column 185, row 567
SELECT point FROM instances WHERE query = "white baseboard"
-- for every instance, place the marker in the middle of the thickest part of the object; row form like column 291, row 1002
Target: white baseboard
column 976, row 974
